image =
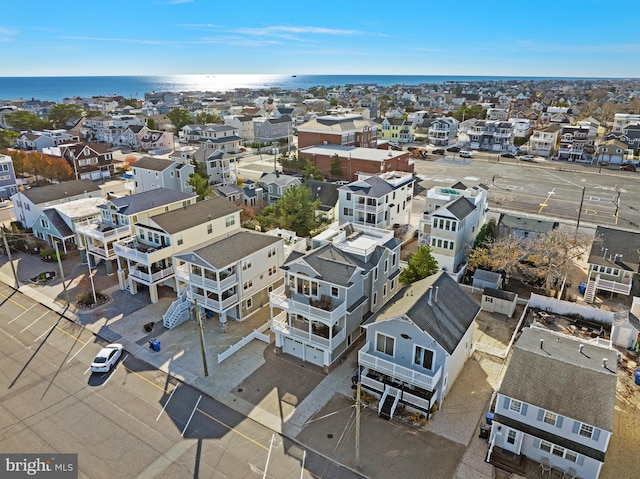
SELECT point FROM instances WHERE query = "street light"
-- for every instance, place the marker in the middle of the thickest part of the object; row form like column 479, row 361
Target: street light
column 275, row 156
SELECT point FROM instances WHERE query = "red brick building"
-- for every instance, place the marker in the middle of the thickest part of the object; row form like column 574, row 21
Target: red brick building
column 356, row 160
column 345, row 130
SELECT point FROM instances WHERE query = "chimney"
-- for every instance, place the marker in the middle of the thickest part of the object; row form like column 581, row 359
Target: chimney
column 542, row 344
column 436, row 298
column 604, row 363
column 581, row 348
column 430, row 294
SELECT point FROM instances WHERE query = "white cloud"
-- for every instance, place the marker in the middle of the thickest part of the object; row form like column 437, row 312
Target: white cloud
column 8, row 34
column 283, row 30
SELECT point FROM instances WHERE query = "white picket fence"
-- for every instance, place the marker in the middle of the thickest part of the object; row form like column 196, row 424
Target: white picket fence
column 256, row 334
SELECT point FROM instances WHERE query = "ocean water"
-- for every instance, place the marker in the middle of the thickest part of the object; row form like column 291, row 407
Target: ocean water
column 57, row 88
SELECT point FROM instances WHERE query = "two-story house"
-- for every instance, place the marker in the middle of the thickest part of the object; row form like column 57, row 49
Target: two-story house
column 118, row 215
column 221, row 166
column 157, row 140
column 555, row 405
column 243, row 124
column 39, row 140
column 621, row 121
column 450, row 223
column 328, row 292
column 275, row 184
column 491, row 135
column 417, row 345
column 443, row 131
column 544, row 140
column 145, row 258
column 28, row 204
column 268, row 130
column 8, row 183
column 613, row 151
column 89, row 160
column 613, row 262
column 345, row 130
column 381, row 200
column 228, row 279
column 574, row 144
column 328, row 194
column 149, row 173
column 395, row 129
column 217, row 137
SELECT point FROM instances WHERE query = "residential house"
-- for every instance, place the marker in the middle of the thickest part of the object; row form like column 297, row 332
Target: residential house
column 525, row 229
column 345, row 130
column 252, row 194
column 522, row 127
column 89, row 160
column 131, row 136
column 145, row 257
column 395, row 129
column 630, row 137
column 118, row 217
column 327, row 193
column 544, row 140
column 150, row 173
column 275, row 184
column 574, row 144
column 231, row 192
column 621, row 121
column 443, row 131
column 555, row 404
column 58, row 223
column 8, row 183
column 218, row 137
column 491, row 136
column 354, row 160
column 417, row 345
column 381, row 200
column 450, row 223
column 613, row 262
column 28, row 204
column 328, row 292
column 497, row 114
column 231, row 278
column 243, row 124
column 221, row 166
column 613, row 152
column 271, row 129
column 39, row 140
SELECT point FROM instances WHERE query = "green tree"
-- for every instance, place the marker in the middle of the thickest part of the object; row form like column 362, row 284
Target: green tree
column 310, row 170
column 151, row 124
column 293, row 211
column 487, row 234
column 204, row 118
column 179, row 117
column 8, row 138
column 465, row 112
column 336, row 167
column 420, row 265
column 92, row 113
column 132, row 102
column 200, row 185
column 61, row 112
column 333, row 102
column 385, row 102
column 23, row 120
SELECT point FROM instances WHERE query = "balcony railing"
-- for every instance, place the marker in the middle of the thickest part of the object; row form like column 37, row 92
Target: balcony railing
column 613, row 286
column 407, row 397
column 141, row 253
column 153, row 277
column 211, row 284
column 216, row 305
column 396, row 371
column 298, row 303
column 102, row 231
column 368, row 208
column 107, row 253
column 280, row 324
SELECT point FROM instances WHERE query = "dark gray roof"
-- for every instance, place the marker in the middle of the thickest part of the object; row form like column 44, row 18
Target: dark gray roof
column 561, row 379
column 156, row 164
column 484, row 275
column 68, row 189
column 498, row 294
column 195, row 214
column 231, row 249
column 608, row 242
column 130, row 205
column 326, row 192
column 446, row 319
column 527, row 224
column 227, row 190
column 460, row 207
column 373, row 187
column 329, row 263
column 58, row 223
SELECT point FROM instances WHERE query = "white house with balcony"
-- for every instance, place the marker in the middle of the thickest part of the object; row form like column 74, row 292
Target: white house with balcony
column 621, row 121
column 220, row 137
column 491, row 135
column 417, row 345
column 150, row 173
column 613, row 262
column 443, row 131
column 97, row 237
column 145, row 258
column 543, row 141
column 450, row 223
column 555, row 405
column 228, row 279
column 275, row 184
column 380, row 200
column 327, row 293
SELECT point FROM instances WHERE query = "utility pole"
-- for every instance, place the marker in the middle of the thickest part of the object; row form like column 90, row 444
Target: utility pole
column 204, row 354
column 6, row 245
column 93, row 286
column 358, row 420
column 580, row 210
column 64, row 285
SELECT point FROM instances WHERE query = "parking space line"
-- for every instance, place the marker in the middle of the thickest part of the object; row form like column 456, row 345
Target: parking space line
column 191, row 417
column 25, row 311
column 167, row 403
column 39, row 318
column 145, row 379
column 77, row 352
column 45, row 333
column 235, row 431
column 113, row 372
column 17, row 304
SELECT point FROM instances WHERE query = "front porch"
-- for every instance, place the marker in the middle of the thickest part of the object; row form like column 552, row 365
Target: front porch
column 504, row 460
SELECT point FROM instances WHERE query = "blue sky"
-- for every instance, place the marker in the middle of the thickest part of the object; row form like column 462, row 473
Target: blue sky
column 577, row 38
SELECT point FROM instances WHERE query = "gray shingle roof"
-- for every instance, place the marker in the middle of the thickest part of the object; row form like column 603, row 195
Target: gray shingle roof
column 156, row 164
column 328, row 263
column 561, row 379
column 460, row 207
column 195, row 214
column 527, row 224
column 446, row 319
column 323, row 190
column 60, row 190
column 58, row 223
column 610, row 242
column 130, row 205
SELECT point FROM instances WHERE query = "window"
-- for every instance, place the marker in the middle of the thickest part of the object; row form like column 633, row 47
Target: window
column 44, row 223
column 348, row 196
column 386, row 265
column 384, row 290
column 179, row 239
column 550, row 418
column 423, row 357
column 385, row 344
column 334, row 292
column 246, row 265
column 511, row 436
column 249, row 303
column 209, row 228
column 230, row 221
column 545, row 446
column 247, row 284
column 586, row 430
column 571, row 456
column 515, row 406
column 558, row 451
column 375, row 298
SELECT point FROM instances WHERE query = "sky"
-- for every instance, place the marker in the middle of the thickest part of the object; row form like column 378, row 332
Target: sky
column 560, row 38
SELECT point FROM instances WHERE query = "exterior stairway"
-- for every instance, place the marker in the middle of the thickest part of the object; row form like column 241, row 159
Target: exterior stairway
column 385, row 410
column 178, row 312
column 590, row 292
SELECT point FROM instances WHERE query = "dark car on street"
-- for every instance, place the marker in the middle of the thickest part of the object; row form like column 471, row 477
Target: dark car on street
column 439, row 151
column 453, row 149
column 628, row 168
column 507, row 155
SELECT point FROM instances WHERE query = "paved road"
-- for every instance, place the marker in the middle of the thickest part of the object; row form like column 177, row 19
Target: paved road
column 133, row 422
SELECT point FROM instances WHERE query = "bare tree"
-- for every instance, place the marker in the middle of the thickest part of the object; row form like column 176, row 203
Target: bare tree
column 503, row 255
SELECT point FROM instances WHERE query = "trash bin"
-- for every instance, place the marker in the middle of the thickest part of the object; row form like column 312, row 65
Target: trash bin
column 582, row 288
column 637, row 377
column 155, row 344
column 489, row 418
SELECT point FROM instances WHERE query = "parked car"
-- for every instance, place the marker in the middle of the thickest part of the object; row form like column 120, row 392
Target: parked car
column 465, row 154
column 507, row 155
column 628, row 168
column 454, row 149
column 438, row 151
column 106, row 358
column 527, row 158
